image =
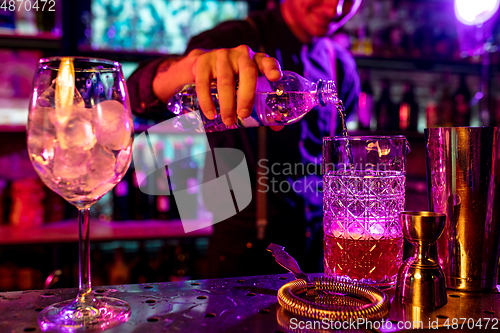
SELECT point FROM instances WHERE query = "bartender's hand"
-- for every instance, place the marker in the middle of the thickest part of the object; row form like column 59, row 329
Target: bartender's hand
column 224, row 65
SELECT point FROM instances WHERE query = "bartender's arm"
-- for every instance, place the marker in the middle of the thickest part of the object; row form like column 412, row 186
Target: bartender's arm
column 220, row 53
column 201, row 67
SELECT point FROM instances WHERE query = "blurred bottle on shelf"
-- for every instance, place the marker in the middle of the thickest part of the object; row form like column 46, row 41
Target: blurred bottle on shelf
column 142, row 209
column 26, row 21
column 386, row 110
column 190, row 167
column 445, row 103
column 119, row 271
column 181, row 269
column 177, row 178
column 362, row 44
column 104, row 208
column 54, row 207
column 166, row 268
column 98, row 267
column 141, row 272
column 496, row 98
column 398, row 41
column 8, row 274
column 3, row 186
column 366, row 117
column 162, row 199
column 401, row 28
column 496, row 119
column 27, row 208
column 408, row 109
column 46, row 21
column 28, row 278
column 443, row 41
column 461, row 103
column 149, row 262
column 384, row 47
column 121, row 198
column 393, row 41
column 431, row 115
column 7, row 21
column 30, row 262
column 162, row 207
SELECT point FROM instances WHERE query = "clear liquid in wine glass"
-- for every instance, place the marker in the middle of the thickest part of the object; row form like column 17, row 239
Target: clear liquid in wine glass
column 80, row 135
column 79, row 152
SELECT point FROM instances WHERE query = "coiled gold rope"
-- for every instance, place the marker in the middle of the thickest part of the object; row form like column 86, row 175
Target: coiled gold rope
column 343, row 300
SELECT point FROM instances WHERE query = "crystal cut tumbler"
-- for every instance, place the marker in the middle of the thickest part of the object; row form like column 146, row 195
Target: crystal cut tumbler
column 364, row 191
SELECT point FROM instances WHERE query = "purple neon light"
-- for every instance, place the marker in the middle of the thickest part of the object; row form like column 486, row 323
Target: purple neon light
column 475, row 12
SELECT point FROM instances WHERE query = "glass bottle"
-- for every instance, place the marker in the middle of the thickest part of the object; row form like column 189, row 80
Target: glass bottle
column 191, row 171
column 461, row 103
column 366, row 106
column 408, row 109
column 386, row 110
column 431, row 115
column 121, row 204
column 119, row 272
column 362, row 45
column 177, row 177
column 162, row 200
column 445, row 103
column 141, row 205
column 282, row 102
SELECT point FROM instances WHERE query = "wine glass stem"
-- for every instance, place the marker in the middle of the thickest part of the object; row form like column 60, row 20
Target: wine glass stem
column 85, row 285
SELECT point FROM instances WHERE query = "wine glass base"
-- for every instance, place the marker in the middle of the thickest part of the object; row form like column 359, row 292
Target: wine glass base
column 73, row 316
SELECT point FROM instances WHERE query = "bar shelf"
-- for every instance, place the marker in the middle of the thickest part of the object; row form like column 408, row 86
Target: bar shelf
column 100, row 231
column 42, row 41
column 418, row 64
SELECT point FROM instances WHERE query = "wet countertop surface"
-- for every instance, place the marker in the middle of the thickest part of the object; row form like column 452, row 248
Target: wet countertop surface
column 246, row 304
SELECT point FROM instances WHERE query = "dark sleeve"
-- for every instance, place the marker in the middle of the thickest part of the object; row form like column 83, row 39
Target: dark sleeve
column 143, row 101
column 225, row 35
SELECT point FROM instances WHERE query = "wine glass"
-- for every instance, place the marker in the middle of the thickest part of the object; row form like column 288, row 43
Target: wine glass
column 80, row 135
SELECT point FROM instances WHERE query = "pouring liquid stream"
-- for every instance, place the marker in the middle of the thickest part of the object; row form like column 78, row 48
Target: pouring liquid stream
column 341, row 111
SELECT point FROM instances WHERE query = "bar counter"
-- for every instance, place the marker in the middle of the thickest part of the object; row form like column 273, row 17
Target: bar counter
column 246, row 304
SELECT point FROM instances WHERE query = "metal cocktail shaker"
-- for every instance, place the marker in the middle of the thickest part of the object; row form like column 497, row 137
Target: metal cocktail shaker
column 463, row 181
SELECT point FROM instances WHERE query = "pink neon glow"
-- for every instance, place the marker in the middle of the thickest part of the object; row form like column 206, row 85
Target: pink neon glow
column 475, row 12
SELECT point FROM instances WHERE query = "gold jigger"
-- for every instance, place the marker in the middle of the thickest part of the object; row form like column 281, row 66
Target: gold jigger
column 421, row 281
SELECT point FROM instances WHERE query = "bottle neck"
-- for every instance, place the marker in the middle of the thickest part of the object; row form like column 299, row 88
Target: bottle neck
column 327, row 92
